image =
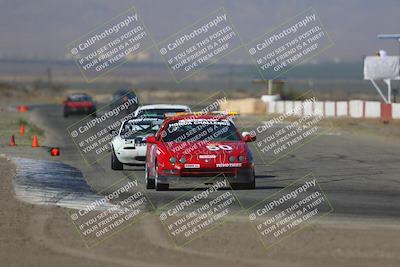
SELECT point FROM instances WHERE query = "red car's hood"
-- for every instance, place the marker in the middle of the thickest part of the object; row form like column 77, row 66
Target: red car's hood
column 206, row 151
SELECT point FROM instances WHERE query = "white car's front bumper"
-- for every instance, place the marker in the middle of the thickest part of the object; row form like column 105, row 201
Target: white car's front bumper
column 131, row 154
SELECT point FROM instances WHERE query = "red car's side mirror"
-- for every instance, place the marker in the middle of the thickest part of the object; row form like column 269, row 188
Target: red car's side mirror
column 151, row 140
column 249, row 138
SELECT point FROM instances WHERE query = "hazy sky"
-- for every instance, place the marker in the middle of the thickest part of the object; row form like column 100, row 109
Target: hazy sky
column 42, row 28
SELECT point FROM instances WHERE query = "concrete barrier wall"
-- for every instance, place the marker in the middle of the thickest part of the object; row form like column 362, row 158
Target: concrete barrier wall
column 318, row 108
column 372, row 109
column 308, row 108
column 271, row 107
column 396, row 111
column 245, row 106
column 356, row 108
column 352, row 108
column 289, row 107
column 342, row 108
column 330, row 109
column 298, row 109
column 280, row 107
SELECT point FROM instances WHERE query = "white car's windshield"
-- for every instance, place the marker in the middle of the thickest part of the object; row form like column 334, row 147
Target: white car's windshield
column 159, row 111
column 131, row 130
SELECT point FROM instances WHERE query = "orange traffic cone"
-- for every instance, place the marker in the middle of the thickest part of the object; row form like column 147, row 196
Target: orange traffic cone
column 12, row 141
column 21, row 129
column 35, row 142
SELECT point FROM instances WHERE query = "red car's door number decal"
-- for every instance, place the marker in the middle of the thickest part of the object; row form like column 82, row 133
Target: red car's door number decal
column 215, row 148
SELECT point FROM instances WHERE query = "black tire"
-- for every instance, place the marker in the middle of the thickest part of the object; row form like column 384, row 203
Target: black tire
column 115, row 163
column 150, row 183
column 244, row 186
column 160, row 186
column 65, row 113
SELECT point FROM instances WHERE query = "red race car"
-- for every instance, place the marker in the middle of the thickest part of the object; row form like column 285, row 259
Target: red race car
column 79, row 104
column 195, row 148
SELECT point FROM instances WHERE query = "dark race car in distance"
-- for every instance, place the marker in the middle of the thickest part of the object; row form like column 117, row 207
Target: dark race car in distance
column 122, row 96
column 79, row 104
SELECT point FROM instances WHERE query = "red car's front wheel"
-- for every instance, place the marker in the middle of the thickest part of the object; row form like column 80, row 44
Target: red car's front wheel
column 159, row 186
column 150, row 182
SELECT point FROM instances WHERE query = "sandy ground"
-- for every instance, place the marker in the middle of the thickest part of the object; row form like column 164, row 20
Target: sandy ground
column 44, row 236
column 32, row 235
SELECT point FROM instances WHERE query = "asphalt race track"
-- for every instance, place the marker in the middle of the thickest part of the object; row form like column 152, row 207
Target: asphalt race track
column 360, row 175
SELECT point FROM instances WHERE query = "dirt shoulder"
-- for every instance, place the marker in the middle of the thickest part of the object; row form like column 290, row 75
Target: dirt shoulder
column 34, row 235
column 18, row 247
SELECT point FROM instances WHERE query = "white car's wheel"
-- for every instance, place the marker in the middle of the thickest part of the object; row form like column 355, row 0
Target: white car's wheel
column 115, row 163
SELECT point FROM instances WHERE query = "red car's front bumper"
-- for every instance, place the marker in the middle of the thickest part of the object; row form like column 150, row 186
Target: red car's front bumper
column 207, row 175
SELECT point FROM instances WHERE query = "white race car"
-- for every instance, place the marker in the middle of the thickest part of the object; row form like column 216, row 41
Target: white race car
column 129, row 144
column 160, row 110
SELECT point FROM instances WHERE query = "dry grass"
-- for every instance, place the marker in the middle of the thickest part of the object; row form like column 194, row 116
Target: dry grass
column 10, row 124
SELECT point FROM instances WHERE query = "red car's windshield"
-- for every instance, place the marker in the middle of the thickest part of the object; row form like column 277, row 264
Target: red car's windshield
column 187, row 130
column 79, row 98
